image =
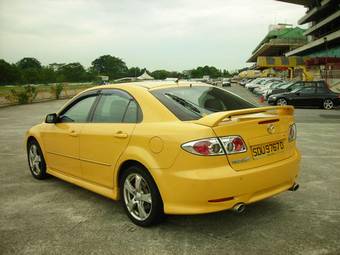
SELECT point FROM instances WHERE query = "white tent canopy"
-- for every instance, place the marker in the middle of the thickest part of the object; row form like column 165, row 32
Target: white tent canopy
column 145, row 76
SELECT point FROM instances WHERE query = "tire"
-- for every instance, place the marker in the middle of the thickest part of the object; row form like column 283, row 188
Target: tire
column 140, row 197
column 36, row 160
column 328, row 104
column 281, row 101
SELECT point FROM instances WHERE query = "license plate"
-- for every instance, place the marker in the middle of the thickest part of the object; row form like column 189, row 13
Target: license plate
column 267, row 149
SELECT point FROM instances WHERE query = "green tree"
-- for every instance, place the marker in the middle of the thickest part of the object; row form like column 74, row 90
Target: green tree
column 226, row 73
column 134, row 72
column 27, row 63
column 111, row 66
column 73, row 72
column 163, row 74
column 9, row 74
column 47, row 75
column 30, row 76
column 200, row 71
column 160, row 74
column 30, row 69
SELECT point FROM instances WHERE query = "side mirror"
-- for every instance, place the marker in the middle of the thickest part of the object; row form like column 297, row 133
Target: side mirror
column 297, row 93
column 51, row 118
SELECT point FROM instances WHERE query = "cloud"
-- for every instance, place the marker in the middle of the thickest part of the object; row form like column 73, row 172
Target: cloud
column 177, row 35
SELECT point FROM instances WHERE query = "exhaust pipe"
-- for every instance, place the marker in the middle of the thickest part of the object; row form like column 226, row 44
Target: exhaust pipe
column 295, row 187
column 239, row 208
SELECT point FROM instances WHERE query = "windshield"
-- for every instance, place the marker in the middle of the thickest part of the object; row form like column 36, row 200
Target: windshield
column 192, row 103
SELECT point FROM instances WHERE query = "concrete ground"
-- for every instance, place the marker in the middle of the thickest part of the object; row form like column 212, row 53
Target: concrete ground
column 55, row 217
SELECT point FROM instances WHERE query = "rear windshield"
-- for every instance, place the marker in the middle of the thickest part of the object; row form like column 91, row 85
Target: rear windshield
column 192, row 103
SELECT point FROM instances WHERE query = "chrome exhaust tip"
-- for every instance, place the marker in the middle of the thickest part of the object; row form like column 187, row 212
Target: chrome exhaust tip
column 239, row 208
column 295, row 187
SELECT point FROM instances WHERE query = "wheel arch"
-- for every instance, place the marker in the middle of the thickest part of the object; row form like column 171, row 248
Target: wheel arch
column 34, row 135
column 125, row 165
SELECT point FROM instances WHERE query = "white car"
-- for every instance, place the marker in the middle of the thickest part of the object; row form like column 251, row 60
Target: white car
column 257, row 80
column 260, row 83
column 268, row 85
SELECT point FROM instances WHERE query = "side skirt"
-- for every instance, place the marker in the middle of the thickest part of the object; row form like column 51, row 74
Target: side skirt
column 106, row 192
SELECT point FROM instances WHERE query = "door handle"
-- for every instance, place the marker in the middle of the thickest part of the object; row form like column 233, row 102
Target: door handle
column 120, row 134
column 73, row 133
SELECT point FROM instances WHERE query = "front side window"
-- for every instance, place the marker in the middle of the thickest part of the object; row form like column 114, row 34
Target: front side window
column 308, row 90
column 116, row 108
column 296, row 86
column 79, row 111
column 192, row 103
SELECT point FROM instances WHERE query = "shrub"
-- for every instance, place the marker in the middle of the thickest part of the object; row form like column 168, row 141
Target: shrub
column 24, row 95
column 57, row 89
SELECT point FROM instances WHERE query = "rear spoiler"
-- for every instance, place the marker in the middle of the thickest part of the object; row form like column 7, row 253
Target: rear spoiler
column 214, row 119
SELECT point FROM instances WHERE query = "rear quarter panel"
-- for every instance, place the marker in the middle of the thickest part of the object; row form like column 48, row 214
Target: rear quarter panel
column 157, row 145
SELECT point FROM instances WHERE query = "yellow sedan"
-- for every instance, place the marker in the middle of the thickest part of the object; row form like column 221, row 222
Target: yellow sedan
column 168, row 148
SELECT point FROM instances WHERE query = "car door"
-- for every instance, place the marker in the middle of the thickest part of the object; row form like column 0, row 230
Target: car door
column 322, row 93
column 104, row 139
column 305, row 96
column 61, row 140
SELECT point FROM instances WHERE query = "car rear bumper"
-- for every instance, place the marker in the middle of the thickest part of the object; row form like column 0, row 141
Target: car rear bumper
column 189, row 191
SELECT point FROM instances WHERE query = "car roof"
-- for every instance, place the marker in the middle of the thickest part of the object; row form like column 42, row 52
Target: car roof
column 149, row 85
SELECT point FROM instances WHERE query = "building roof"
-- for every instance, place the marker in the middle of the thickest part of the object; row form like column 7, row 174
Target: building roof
column 278, row 41
column 299, row 2
column 335, row 36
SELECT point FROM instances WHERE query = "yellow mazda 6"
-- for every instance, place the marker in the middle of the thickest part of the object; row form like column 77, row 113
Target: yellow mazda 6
column 168, row 148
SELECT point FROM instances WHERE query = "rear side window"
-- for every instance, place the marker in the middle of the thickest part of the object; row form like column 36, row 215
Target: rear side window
column 116, row 107
column 192, row 103
column 321, row 87
column 131, row 114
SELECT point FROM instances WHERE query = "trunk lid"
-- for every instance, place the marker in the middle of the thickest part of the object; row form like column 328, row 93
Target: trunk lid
column 264, row 130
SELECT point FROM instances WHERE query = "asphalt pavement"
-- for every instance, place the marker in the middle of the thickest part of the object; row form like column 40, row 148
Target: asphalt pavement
column 55, row 217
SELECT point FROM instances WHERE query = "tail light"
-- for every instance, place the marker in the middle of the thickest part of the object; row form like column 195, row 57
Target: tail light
column 216, row 146
column 204, row 147
column 233, row 144
column 292, row 133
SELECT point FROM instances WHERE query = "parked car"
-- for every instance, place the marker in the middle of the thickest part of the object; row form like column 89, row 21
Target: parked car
column 264, row 81
column 255, row 81
column 293, row 85
column 226, row 82
column 173, row 148
column 277, row 87
column 243, row 82
column 272, row 86
column 262, row 89
column 315, row 94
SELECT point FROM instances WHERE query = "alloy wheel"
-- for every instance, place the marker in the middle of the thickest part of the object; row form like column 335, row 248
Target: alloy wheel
column 137, row 197
column 328, row 104
column 34, row 159
column 281, row 101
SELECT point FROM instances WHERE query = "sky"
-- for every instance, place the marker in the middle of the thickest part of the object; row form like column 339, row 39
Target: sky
column 157, row 34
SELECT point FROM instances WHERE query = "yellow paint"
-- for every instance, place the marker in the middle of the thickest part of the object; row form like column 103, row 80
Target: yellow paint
column 92, row 156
